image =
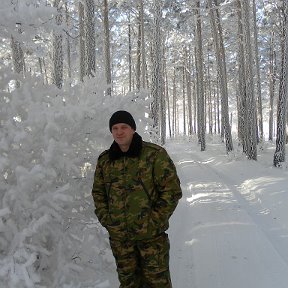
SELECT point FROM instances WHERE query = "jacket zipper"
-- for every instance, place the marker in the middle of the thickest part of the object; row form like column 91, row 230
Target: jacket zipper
column 108, row 199
column 146, row 191
column 125, row 203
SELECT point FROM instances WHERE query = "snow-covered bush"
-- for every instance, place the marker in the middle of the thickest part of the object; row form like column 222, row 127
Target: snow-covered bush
column 49, row 143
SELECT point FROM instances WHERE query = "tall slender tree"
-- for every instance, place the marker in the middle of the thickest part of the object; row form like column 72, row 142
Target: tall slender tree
column 157, row 81
column 107, row 47
column 279, row 155
column 221, row 68
column 200, row 78
column 141, row 77
column 68, row 44
column 90, row 51
column 17, row 57
column 272, row 81
column 250, row 103
column 163, row 106
column 174, row 104
column 241, row 95
column 258, row 78
column 143, row 50
column 139, row 44
column 82, row 44
column 129, row 51
column 188, row 70
column 87, row 51
column 184, row 97
column 209, row 95
column 58, row 55
column 167, row 100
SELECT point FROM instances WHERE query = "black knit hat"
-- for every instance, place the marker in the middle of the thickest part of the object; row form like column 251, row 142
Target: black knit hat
column 122, row 117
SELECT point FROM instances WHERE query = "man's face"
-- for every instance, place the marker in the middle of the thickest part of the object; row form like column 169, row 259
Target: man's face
column 123, row 134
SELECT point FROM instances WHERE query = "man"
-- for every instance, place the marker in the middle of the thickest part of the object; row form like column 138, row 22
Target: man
column 135, row 191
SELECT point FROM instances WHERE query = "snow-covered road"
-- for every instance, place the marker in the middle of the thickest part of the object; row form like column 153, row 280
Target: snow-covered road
column 228, row 231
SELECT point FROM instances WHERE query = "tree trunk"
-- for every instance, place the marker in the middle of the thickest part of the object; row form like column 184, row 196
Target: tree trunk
column 184, row 99
column 58, row 49
column 200, row 88
column 258, row 78
column 272, row 80
column 209, row 96
column 17, row 57
column 221, row 67
column 157, row 83
column 279, row 155
column 188, row 70
column 167, row 100
column 90, row 38
column 68, row 43
column 250, row 105
column 82, row 37
column 143, row 52
column 129, row 52
column 174, row 104
column 241, row 98
column 141, row 58
column 138, row 54
column 107, row 47
column 163, row 109
column 194, row 95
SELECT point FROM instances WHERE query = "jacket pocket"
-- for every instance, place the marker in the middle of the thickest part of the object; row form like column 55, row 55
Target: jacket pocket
column 146, row 192
column 156, row 224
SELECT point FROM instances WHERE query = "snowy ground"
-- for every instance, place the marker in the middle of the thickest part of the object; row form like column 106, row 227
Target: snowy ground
column 230, row 228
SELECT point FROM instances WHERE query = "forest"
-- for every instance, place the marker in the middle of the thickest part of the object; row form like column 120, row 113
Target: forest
column 182, row 68
column 207, row 66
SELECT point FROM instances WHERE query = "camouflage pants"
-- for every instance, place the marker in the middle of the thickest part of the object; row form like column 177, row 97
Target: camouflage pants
column 143, row 264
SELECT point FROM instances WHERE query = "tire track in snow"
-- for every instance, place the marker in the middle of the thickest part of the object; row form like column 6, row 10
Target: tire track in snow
column 226, row 216
column 254, row 212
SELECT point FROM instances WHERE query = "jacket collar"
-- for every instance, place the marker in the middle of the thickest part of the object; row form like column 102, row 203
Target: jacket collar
column 134, row 149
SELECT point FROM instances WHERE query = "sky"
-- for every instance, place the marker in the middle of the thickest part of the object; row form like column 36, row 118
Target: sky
column 230, row 227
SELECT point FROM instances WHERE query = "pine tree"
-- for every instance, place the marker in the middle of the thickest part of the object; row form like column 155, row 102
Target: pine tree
column 107, row 47
column 200, row 77
column 250, row 103
column 58, row 54
column 221, row 67
column 279, row 155
column 90, row 52
column 157, row 81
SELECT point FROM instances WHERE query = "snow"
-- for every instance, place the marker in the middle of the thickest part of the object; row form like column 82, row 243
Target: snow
column 229, row 229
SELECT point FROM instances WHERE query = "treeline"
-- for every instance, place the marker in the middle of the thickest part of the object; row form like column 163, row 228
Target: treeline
column 209, row 65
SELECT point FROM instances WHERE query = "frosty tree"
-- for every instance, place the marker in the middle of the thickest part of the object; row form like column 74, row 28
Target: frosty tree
column 279, row 155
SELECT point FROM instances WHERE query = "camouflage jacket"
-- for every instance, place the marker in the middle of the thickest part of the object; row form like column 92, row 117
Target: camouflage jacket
column 135, row 192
